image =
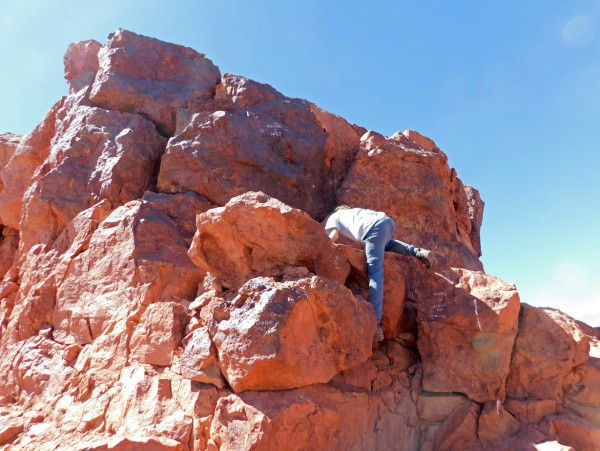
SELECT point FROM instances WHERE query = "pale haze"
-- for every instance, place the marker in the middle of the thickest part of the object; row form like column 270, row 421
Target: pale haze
column 509, row 90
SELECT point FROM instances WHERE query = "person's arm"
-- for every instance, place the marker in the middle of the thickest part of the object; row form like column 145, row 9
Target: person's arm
column 334, row 234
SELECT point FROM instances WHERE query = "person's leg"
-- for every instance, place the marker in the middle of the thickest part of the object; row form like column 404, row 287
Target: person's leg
column 375, row 241
column 402, row 248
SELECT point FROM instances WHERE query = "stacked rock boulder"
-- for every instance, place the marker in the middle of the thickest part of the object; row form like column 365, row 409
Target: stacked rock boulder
column 166, row 282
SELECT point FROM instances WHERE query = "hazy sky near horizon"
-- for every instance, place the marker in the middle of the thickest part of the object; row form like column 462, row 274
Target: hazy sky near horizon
column 509, row 90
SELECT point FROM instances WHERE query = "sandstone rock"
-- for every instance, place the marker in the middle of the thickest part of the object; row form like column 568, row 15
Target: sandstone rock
column 495, row 423
column 589, row 414
column 125, row 269
column 315, row 417
column 552, row 445
column 81, row 64
column 282, row 335
column 221, row 154
column 10, row 430
column 136, row 443
column 143, row 75
column 8, row 145
column 42, row 269
column 9, row 243
column 159, row 333
column 576, row 432
column 549, row 344
column 459, row 431
column 36, row 295
column 429, row 214
column 145, row 407
column 582, row 386
column 531, row 411
column 436, row 407
column 101, row 154
column 420, row 140
column 199, row 359
column 34, row 371
column 8, row 293
column 18, row 174
column 475, row 205
column 181, row 208
column 98, row 288
column 255, row 235
column 467, row 329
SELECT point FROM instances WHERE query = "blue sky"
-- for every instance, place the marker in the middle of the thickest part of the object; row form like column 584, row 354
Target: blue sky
column 509, row 90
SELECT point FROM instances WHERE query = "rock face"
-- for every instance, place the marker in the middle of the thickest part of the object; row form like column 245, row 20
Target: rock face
column 292, row 334
column 223, row 152
column 165, row 283
column 427, row 200
column 152, row 78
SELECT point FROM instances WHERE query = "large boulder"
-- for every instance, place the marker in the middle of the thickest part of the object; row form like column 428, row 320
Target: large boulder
column 156, row 79
column 467, row 328
column 281, row 335
column 98, row 155
column 224, row 152
column 548, row 346
column 256, row 235
column 416, row 187
column 81, row 64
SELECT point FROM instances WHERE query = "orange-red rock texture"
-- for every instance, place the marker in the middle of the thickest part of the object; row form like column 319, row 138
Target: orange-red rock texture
column 166, row 283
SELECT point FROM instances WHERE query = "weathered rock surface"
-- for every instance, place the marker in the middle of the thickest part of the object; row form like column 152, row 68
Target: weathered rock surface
column 136, row 257
column 417, row 188
column 18, row 174
column 8, row 145
column 165, row 284
column 155, row 79
column 256, row 235
column 291, row 334
column 9, row 243
column 221, row 154
column 100, row 155
column 549, row 345
column 317, row 417
column 476, row 315
column 81, row 64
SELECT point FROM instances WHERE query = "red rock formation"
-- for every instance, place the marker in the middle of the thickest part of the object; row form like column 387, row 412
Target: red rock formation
column 165, row 283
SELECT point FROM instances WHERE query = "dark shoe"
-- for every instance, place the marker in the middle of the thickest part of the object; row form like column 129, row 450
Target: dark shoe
column 426, row 257
column 379, row 334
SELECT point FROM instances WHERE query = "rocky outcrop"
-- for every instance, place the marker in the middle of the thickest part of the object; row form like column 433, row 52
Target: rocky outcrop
column 223, row 152
column 166, row 283
column 9, row 237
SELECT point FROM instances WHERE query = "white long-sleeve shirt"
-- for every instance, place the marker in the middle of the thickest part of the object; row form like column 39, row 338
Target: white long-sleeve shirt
column 353, row 223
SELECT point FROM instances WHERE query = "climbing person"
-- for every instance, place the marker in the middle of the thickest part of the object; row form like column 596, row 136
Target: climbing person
column 374, row 229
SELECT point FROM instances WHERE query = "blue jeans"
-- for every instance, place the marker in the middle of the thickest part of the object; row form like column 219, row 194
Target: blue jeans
column 378, row 240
